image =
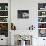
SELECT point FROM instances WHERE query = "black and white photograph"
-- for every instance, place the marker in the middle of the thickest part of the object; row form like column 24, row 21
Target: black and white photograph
column 41, row 6
column 23, row 14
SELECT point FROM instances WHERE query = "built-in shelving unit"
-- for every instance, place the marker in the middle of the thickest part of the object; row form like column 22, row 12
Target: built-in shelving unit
column 42, row 19
column 4, row 19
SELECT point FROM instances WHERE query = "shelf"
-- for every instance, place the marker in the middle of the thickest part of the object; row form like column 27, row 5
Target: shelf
column 41, row 22
column 3, row 22
column 3, row 16
column 42, row 16
column 3, row 10
column 41, row 28
column 41, row 10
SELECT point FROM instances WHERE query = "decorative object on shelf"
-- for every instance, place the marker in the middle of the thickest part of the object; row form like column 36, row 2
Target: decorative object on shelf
column 42, row 32
column 4, row 29
column 13, row 27
column 41, row 19
column 31, row 27
column 24, row 37
column 3, row 6
column 41, row 13
column 23, row 14
column 45, row 7
column 41, row 6
column 40, row 25
column 4, row 26
column 3, row 13
column 3, row 19
column 0, row 7
column 6, row 7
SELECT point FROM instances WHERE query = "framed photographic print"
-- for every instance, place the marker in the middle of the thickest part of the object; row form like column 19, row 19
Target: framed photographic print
column 41, row 6
column 23, row 14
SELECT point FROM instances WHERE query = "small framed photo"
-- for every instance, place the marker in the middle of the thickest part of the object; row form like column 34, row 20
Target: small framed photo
column 41, row 6
column 23, row 14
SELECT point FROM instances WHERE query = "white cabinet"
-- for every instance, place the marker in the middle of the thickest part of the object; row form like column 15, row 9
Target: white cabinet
column 3, row 40
column 41, row 41
column 4, row 21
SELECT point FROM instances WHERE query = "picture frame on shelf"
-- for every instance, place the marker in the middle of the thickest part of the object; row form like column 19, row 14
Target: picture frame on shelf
column 41, row 6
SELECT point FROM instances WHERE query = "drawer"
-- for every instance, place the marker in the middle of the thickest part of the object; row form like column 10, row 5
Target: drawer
column 3, row 41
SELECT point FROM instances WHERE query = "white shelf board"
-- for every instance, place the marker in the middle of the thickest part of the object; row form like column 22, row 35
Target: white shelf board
column 3, row 16
column 41, row 28
column 3, row 10
column 3, row 22
column 41, row 10
column 41, row 22
column 42, row 16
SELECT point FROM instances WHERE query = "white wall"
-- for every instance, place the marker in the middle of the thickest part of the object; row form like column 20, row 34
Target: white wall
column 32, row 6
column 23, row 24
